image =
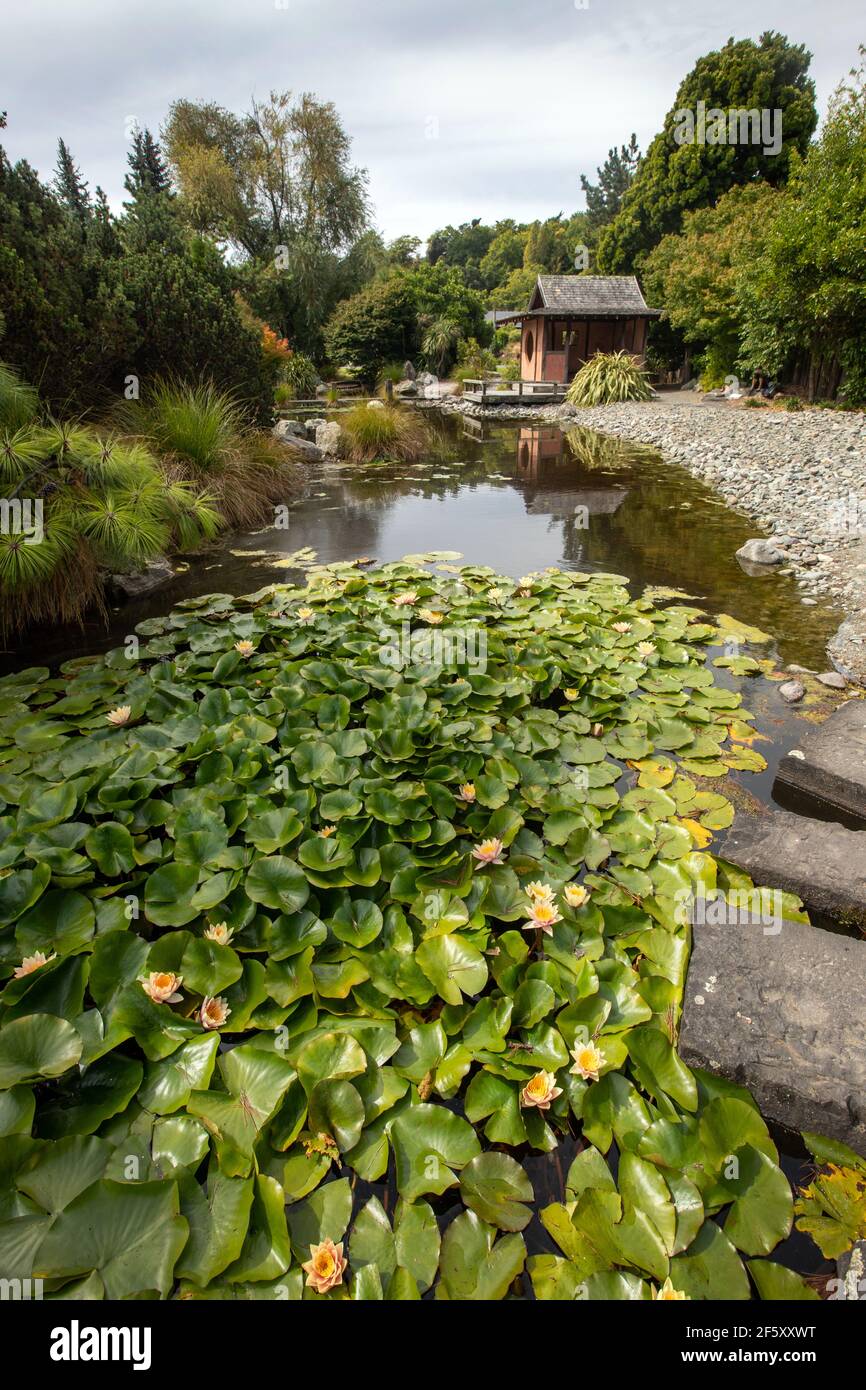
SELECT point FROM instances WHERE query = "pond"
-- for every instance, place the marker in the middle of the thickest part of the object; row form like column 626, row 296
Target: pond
column 517, row 498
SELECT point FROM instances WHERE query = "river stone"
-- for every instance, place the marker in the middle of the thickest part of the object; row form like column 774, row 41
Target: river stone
column 833, row 680
column 298, row 445
column 761, row 552
column 328, row 436
column 851, row 1272
column 409, row 371
column 819, row 861
column 792, row 691
column 406, row 388
column 136, row 583
column 782, row 1014
column 284, row 428
column 375, row 405
column 829, row 763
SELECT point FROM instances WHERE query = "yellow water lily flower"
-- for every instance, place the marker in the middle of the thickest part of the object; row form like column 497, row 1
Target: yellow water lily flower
column 570, row 693
column 646, row 648
column 526, row 581
column 575, row 894
column 540, row 1091
column 213, row 1012
column 488, row 852
column 494, row 595
column 621, row 627
column 221, row 933
column 538, row 890
column 400, row 600
column 544, row 915
column 327, row 831
column 119, row 716
column 466, row 792
column 431, row 616
column 668, row 1294
column 325, row 1267
column 587, row 1061
column 31, row 963
column 162, row 986
column 244, row 648
column 305, row 615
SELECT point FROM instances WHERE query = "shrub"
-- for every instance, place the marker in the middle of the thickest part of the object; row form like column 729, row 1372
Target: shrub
column 100, row 504
column 793, row 403
column 382, row 434
column 19, row 403
column 473, row 361
column 754, row 402
column 439, row 345
column 300, row 375
column 608, row 377
column 200, row 434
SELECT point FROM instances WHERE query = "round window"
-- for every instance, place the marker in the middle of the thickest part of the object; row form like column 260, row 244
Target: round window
column 530, row 345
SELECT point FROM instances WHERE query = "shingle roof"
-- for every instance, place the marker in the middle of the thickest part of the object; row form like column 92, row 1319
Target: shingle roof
column 592, row 294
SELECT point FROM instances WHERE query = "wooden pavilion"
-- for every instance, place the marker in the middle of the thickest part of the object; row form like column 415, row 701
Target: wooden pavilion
column 572, row 317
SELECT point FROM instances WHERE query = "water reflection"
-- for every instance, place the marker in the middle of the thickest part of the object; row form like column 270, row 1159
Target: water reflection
column 517, row 499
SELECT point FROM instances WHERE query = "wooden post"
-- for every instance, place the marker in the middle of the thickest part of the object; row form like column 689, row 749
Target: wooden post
column 483, row 390
column 389, row 390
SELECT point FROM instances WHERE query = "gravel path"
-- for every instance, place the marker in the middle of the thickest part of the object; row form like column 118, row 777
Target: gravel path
column 801, row 476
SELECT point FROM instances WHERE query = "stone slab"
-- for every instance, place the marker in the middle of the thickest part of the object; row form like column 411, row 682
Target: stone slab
column 820, row 861
column 829, row 762
column 783, row 1015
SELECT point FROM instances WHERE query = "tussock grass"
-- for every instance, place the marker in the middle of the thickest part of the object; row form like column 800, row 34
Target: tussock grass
column 391, row 433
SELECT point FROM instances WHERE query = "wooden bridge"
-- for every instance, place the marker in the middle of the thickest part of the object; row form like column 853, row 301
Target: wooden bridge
column 513, row 392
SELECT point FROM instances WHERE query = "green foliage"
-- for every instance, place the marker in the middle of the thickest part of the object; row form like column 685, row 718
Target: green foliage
column 697, row 274
column 89, row 302
column 608, row 377
column 615, row 178
column 104, row 505
column 201, row 435
column 806, row 293
column 389, row 433
column 675, row 178
column 384, row 1005
column 19, row 403
column 439, row 344
column 300, row 376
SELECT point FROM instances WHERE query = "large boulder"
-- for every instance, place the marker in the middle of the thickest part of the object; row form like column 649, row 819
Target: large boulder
column 328, row 436
column 285, row 428
column 406, row 388
column 761, row 552
column 409, row 371
column 305, row 448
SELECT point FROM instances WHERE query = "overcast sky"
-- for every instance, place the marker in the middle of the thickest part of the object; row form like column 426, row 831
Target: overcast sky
column 458, row 109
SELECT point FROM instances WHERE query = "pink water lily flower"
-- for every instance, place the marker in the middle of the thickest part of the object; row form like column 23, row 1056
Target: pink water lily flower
column 120, row 716
column 162, row 986
column 466, row 792
column 221, row 933
column 400, row 600
column 543, row 916
column 488, row 852
column 540, row 1091
column 213, row 1012
column 621, row 627
column 537, row 890
column 324, row 1269
column 31, row 963
column 587, row 1061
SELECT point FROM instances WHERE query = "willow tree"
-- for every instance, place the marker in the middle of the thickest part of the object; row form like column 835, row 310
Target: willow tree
column 276, row 184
